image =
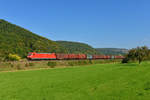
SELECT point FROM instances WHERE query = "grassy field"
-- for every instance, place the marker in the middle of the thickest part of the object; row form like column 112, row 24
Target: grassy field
column 92, row 82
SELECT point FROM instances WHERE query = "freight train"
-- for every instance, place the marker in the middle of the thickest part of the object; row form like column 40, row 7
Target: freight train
column 56, row 56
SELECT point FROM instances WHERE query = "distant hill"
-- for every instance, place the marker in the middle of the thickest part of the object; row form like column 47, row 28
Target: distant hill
column 112, row 51
column 17, row 40
column 77, row 47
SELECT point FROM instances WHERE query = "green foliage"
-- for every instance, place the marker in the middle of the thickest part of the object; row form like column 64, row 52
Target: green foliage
column 17, row 40
column 1, row 58
column 140, row 54
column 11, row 65
column 26, row 64
column 12, row 57
column 88, row 62
column 52, row 64
column 77, row 47
column 18, row 66
column 31, row 64
column 71, row 63
column 125, row 60
column 80, row 62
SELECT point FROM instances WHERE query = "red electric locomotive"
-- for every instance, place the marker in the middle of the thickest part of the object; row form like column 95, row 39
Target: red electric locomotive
column 41, row 56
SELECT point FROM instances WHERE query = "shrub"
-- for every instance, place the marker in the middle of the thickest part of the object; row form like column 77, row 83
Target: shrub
column 90, row 61
column 125, row 60
column 11, row 65
column 51, row 64
column 1, row 59
column 12, row 57
column 31, row 64
column 71, row 63
column 85, row 62
column 26, row 64
column 79, row 62
column 18, row 66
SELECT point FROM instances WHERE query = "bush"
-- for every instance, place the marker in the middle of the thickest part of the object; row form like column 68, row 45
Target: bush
column 71, row 63
column 125, row 60
column 12, row 57
column 18, row 67
column 90, row 61
column 11, row 65
column 1, row 59
column 26, row 64
column 80, row 62
column 51, row 64
column 84, row 62
column 30, row 64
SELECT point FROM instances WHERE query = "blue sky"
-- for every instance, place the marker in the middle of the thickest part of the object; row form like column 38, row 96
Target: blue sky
column 100, row 23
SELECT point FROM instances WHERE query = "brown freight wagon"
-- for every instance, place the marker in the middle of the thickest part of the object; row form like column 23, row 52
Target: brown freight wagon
column 70, row 56
column 61, row 56
column 108, row 57
column 82, row 56
column 119, row 57
column 76, row 56
column 98, row 57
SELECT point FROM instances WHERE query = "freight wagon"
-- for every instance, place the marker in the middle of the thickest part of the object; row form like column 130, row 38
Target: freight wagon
column 55, row 56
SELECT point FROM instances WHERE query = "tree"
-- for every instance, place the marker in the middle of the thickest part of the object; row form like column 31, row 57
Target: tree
column 139, row 53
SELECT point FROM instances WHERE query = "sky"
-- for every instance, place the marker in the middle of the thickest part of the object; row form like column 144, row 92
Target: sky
column 100, row 23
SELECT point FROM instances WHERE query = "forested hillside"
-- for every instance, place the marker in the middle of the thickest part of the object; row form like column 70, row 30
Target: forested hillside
column 17, row 40
column 112, row 51
column 77, row 47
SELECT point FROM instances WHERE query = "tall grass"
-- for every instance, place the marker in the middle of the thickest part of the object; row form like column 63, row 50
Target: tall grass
column 50, row 64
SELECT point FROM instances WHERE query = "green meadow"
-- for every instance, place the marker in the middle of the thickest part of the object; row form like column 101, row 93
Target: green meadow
column 90, row 82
